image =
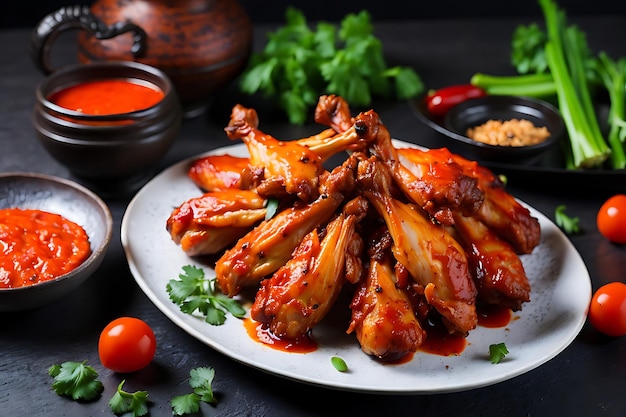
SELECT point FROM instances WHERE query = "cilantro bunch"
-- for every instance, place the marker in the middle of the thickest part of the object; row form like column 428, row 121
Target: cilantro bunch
column 299, row 64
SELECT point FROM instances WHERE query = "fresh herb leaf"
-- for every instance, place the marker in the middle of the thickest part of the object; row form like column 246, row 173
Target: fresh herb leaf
column 300, row 63
column 185, row 404
column 272, row 207
column 193, row 292
column 339, row 364
column 497, row 352
column 527, row 49
column 76, row 380
column 201, row 380
column 135, row 404
column 565, row 222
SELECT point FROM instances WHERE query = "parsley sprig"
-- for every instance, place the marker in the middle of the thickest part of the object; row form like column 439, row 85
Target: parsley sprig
column 76, row 380
column 565, row 222
column 135, row 404
column 193, row 292
column 201, row 380
column 497, row 352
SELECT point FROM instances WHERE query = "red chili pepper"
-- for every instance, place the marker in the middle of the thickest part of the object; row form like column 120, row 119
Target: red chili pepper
column 442, row 100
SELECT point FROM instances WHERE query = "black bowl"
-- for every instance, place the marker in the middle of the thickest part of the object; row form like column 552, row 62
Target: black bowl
column 70, row 200
column 477, row 111
column 107, row 152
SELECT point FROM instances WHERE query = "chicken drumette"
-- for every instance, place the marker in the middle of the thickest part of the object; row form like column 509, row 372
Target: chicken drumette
column 268, row 246
column 208, row 224
column 383, row 316
column 282, row 167
column 437, row 185
column 435, row 260
column 300, row 294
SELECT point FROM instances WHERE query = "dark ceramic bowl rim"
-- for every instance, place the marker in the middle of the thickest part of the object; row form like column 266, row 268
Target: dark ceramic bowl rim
column 96, row 252
column 544, row 108
column 155, row 75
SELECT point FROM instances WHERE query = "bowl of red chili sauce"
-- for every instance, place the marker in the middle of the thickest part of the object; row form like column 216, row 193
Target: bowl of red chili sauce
column 54, row 234
column 107, row 122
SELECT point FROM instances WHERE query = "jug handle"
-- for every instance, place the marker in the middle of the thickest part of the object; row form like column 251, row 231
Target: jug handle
column 78, row 17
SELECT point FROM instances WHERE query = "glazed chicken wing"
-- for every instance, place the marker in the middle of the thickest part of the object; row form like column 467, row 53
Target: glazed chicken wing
column 434, row 259
column 333, row 111
column 498, row 272
column 382, row 314
column 269, row 245
column 218, row 172
column 284, row 166
column 207, row 224
column 500, row 211
column 435, row 184
column 300, row 294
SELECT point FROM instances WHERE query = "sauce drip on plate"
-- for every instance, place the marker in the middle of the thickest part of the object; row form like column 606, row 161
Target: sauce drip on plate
column 106, row 97
column 261, row 334
column 38, row 246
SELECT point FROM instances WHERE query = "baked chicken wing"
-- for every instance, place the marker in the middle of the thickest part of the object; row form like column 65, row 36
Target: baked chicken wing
column 218, row 172
column 300, row 294
column 500, row 211
column 268, row 246
column 498, row 271
column 207, row 224
column 282, row 166
column 437, row 185
column 435, row 260
column 383, row 318
column 334, row 111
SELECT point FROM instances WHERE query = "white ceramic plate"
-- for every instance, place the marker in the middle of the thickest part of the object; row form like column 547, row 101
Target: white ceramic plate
column 561, row 291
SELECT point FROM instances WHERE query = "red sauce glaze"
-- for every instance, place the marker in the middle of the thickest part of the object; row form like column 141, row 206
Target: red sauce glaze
column 38, row 246
column 494, row 316
column 440, row 342
column 105, row 97
column 260, row 333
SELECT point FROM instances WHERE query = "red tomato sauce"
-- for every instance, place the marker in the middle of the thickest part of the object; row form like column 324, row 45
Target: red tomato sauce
column 260, row 333
column 37, row 246
column 494, row 316
column 105, row 97
column 440, row 342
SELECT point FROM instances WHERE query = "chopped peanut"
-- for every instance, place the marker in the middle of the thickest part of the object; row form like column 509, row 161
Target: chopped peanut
column 514, row 132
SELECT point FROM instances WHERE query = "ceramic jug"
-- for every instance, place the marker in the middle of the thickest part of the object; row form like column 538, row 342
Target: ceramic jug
column 202, row 45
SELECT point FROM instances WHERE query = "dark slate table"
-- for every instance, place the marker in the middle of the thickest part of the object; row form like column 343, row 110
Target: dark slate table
column 586, row 379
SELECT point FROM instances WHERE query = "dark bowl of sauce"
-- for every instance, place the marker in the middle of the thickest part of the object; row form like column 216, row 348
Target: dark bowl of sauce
column 55, row 234
column 109, row 123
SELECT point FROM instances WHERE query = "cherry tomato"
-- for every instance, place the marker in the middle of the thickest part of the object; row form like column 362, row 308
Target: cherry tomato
column 611, row 219
column 439, row 102
column 127, row 344
column 607, row 311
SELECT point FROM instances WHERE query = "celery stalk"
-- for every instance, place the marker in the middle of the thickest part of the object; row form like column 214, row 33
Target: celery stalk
column 588, row 147
column 613, row 76
column 529, row 85
column 587, row 151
